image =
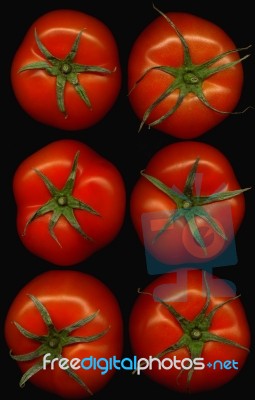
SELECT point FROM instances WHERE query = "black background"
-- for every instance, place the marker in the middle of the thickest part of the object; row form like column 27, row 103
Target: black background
column 122, row 265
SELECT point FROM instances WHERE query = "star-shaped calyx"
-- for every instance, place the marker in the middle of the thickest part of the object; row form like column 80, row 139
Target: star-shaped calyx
column 53, row 343
column 188, row 78
column 62, row 203
column 65, row 70
column 195, row 333
column 189, row 206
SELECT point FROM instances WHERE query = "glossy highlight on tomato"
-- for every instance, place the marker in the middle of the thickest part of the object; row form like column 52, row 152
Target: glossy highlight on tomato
column 190, row 314
column 187, row 205
column 66, row 72
column 71, row 202
column 69, row 314
column 185, row 75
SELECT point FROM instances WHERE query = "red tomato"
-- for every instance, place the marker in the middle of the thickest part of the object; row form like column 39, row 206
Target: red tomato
column 177, row 320
column 69, row 297
column 70, row 202
column 171, row 208
column 184, row 75
column 76, row 87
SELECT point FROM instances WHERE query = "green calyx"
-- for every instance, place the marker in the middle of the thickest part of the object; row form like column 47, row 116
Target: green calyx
column 62, row 203
column 53, row 342
column 65, row 70
column 189, row 206
column 188, row 78
column 196, row 332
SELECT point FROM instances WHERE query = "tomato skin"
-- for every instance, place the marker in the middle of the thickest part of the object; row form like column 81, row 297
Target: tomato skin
column 171, row 165
column 69, row 296
column 98, row 183
column 157, row 45
column 152, row 328
column 35, row 90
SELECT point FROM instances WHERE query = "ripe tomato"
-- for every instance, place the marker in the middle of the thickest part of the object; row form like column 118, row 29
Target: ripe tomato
column 73, row 315
column 70, row 202
column 66, row 72
column 187, row 205
column 184, row 75
column 185, row 318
